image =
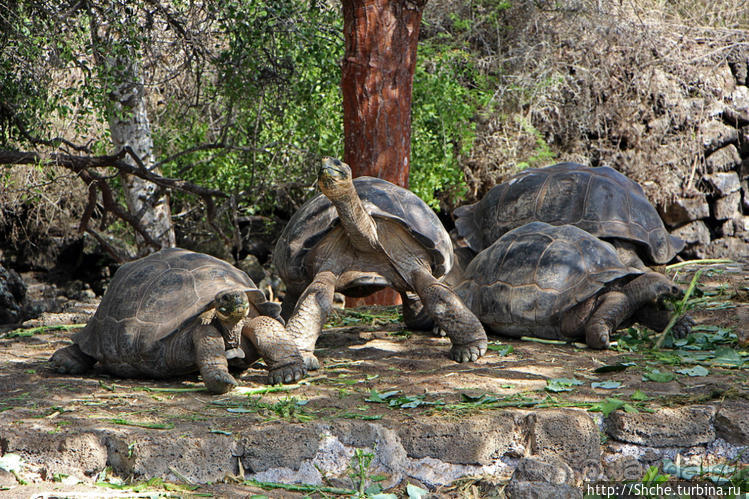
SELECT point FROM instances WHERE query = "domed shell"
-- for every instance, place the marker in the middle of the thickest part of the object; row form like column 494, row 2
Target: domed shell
column 153, row 298
column 599, row 200
column 535, row 272
column 382, row 199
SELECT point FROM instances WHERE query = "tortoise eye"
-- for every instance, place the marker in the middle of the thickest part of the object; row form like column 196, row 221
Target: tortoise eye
column 223, row 310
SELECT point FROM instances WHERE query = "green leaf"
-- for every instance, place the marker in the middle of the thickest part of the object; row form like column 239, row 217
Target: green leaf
column 561, row 384
column 612, row 368
column 380, row 398
column 727, row 355
column 694, row 371
column 658, row 376
column 606, row 385
column 502, row 349
column 608, row 406
column 415, row 492
column 639, row 396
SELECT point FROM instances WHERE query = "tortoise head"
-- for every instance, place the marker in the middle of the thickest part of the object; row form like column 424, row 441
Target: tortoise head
column 662, row 288
column 334, row 176
column 231, row 307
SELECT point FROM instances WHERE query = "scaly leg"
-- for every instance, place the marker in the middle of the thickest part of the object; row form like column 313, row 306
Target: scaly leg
column 613, row 309
column 211, row 359
column 275, row 346
column 310, row 315
column 414, row 314
column 71, row 360
column 459, row 323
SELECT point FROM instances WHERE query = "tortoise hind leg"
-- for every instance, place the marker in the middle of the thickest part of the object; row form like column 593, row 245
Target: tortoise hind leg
column 415, row 314
column 71, row 360
column 462, row 327
column 310, row 315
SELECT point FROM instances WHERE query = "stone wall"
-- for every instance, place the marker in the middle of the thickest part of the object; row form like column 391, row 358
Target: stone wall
column 713, row 218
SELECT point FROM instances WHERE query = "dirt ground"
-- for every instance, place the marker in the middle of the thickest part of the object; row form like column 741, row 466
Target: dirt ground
column 373, row 370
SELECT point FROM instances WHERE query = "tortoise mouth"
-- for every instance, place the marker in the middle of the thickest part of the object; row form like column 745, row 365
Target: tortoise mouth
column 332, row 172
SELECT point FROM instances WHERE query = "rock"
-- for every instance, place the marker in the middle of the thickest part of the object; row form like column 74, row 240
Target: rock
column 478, row 441
column 725, row 247
column 694, row 232
column 623, row 468
column 570, row 435
column 251, row 266
column 540, row 490
column 732, row 422
column 541, row 478
column 739, row 69
column 680, row 427
column 723, row 183
column 684, row 210
column 269, row 446
column 715, row 134
column 727, row 207
column 737, row 114
column 12, row 295
column 744, row 149
column 724, row 159
column 70, row 453
column 728, row 228
column 741, row 227
column 549, row 469
column 744, row 168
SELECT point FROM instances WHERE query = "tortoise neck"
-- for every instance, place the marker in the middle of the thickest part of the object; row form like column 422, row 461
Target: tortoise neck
column 640, row 290
column 356, row 221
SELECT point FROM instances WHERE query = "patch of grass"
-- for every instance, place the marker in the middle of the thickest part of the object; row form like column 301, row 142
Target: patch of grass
column 370, row 317
column 300, row 487
column 150, row 426
column 25, row 332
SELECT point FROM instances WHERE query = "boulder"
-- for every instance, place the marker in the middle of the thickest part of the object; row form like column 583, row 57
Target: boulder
column 723, row 183
column 12, row 295
column 725, row 247
column 715, row 134
column 684, row 210
column 724, row 159
column 569, row 435
column 732, row 422
column 542, row 477
column 727, row 207
column 680, row 427
column 693, row 233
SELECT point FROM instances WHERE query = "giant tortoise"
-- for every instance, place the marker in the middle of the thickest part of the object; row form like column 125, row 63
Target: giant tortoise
column 358, row 234
column 559, row 282
column 176, row 312
column 599, row 200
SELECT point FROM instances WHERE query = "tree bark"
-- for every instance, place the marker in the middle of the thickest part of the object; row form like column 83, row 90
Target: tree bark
column 129, row 126
column 376, row 81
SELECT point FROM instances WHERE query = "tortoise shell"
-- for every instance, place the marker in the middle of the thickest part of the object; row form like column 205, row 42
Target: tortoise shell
column 599, row 200
column 383, row 200
column 534, row 273
column 154, row 298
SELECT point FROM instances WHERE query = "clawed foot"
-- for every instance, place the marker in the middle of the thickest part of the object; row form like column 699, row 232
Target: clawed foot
column 310, row 361
column 438, row 332
column 597, row 337
column 469, row 352
column 287, row 374
column 219, row 381
column 70, row 360
column 682, row 327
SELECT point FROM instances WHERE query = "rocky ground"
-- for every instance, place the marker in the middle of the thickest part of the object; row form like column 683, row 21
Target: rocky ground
column 389, row 411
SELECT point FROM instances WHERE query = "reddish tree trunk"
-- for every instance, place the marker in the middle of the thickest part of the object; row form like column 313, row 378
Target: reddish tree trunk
column 376, row 81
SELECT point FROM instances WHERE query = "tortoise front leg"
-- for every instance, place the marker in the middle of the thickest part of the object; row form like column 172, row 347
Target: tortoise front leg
column 310, row 314
column 272, row 342
column 71, row 360
column 211, row 359
column 613, row 309
column 462, row 327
